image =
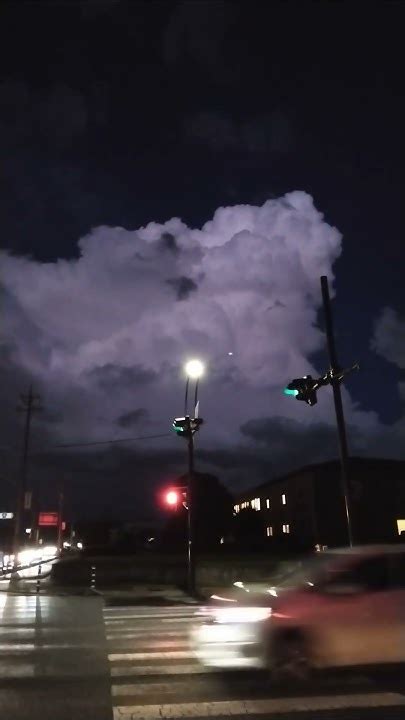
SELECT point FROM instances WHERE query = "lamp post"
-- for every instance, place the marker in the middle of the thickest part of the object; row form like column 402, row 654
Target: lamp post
column 187, row 427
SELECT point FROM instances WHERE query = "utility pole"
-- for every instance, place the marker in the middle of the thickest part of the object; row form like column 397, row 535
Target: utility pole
column 60, row 518
column 186, row 427
column 337, row 397
column 28, row 407
column 190, row 514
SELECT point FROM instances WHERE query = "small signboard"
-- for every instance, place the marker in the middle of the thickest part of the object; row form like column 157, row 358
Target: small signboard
column 48, row 519
column 6, row 516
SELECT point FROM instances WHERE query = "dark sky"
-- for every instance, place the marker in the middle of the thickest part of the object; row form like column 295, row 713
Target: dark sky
column 120, row 114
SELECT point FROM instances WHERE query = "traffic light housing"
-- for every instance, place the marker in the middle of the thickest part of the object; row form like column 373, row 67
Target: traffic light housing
column 181, row 426
column 184, row 426
column 174, row 497
column 303, row 389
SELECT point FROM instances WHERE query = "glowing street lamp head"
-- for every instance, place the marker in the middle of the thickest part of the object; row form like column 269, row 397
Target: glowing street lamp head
column 194, row 369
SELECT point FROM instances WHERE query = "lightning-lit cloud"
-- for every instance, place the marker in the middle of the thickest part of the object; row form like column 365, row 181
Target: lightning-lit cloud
column 107, row 333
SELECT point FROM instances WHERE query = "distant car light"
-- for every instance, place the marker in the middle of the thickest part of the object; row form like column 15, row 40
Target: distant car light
column 79, row 546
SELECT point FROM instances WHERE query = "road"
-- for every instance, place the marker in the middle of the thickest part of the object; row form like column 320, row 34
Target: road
column 53, row 663
column 71, row 658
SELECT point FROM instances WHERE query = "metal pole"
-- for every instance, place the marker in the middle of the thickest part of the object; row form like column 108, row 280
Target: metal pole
column 23, row 473
column 337, row 397
column 190, row 516
column 38, row 584
column 60, row 519
column 186, row 397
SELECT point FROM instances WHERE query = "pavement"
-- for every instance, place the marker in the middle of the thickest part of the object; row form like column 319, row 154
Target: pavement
column 76, row 658
column 53, row 663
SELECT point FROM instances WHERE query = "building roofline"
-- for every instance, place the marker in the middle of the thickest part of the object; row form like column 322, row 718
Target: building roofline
column 314, row 466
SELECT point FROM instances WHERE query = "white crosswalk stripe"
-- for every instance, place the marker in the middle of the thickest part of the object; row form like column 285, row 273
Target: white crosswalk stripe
column 155, row 675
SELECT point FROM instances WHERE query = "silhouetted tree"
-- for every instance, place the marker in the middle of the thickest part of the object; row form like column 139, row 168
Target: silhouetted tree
column 212, row 515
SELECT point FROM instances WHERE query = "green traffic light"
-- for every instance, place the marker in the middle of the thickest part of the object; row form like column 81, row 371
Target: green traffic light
column 287, row 391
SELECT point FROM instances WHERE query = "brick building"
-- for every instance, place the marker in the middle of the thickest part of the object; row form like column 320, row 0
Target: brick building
column 306, row 507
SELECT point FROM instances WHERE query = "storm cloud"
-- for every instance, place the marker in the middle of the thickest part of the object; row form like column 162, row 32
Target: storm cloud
column 111, row 330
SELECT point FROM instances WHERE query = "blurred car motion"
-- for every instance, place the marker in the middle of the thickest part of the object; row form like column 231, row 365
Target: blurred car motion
column 338, row 608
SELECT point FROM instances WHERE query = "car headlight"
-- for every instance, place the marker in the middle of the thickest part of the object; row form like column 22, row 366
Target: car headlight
column 241, row 614
column 25, row 557
column 49, row 551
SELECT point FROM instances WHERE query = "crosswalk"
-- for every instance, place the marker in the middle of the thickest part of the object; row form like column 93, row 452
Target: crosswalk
column 53, row 663
column 155, row 675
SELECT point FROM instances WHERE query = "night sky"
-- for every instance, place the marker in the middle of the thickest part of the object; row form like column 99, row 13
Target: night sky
column 175, row 178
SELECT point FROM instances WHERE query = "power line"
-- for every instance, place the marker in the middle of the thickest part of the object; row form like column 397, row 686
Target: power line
column 110, row 442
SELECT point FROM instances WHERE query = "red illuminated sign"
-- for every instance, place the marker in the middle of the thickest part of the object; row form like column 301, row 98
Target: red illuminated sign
column 48, row 519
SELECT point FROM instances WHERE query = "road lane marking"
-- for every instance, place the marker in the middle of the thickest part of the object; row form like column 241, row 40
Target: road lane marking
column 162, row 618
column 147, row 609
column 119, row 634
column 139, row 670
column 170, row 655
column 256, row 707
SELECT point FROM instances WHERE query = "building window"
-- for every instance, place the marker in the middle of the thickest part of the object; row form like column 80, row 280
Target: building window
column 283, row 499
column 286, row 529
column 255, row 504
column 236, row 508
column 269, row 531
column 268, row 503
column 401, row 526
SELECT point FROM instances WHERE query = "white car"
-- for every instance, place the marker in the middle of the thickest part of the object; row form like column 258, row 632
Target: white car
column 339, row 608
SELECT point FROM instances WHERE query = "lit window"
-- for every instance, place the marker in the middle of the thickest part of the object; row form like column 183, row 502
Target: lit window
column 401, row 526
column 236, row 508
column 284, row 499
column 255, row 504
column 269, row 531
column 286, row 529
column 268, row 503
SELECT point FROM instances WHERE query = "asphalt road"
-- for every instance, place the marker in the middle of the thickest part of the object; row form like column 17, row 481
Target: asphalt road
column 71, row 658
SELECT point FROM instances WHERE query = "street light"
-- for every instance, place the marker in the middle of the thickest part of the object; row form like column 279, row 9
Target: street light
column 186, row 427
column 194, row 369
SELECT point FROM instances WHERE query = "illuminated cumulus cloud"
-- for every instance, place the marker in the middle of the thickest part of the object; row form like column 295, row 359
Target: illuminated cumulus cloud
column 107, row 333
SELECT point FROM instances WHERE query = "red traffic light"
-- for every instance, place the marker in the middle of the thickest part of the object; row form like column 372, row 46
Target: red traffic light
column 172, row 498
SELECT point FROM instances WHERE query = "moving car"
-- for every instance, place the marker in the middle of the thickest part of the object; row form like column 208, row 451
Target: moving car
column 338, row 608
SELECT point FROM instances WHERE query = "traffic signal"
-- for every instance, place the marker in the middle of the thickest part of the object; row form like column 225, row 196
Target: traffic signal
column 303, row 389
column 172, row 498
column 183, row 426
